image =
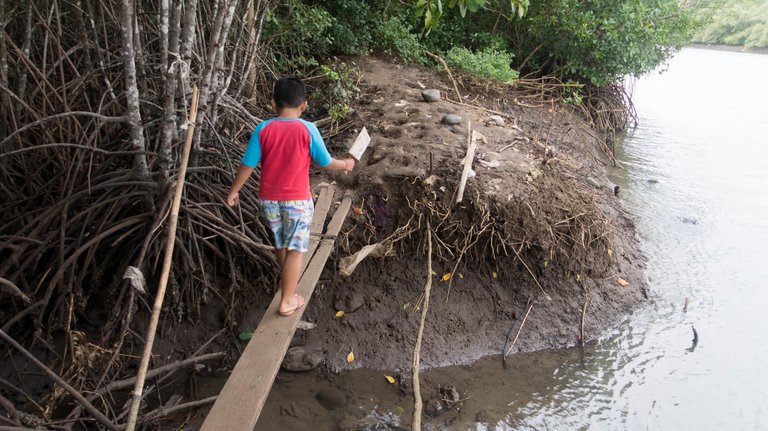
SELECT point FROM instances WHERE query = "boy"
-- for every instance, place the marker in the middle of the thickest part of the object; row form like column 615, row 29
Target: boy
column 284, row 145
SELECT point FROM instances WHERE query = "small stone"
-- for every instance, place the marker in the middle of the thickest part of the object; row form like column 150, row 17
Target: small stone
column 331, row 398
column 593, row 182
column 433, row 408
column 431, row 95
column 496, row 120
column 451, row 119
column 298, row 359
column 354, row 302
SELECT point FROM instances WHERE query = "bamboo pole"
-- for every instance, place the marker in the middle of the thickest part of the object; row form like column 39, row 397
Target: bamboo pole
column 417, row 403
column 170, row 242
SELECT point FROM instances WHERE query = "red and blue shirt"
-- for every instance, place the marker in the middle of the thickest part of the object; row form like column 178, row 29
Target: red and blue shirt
column 285, row 146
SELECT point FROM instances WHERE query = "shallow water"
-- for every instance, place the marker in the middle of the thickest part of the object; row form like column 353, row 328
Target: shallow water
column 694, row 174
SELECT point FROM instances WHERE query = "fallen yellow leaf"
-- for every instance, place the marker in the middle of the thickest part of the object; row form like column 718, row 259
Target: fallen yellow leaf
column 357, row 210
column 622, row 282
column 434, row 273
column 610, row 252
column 494, row 275
column 339, row 313
column 578, row 277
column 461, row 275
column 390, row 379
column 350, row 357
column 446, row 276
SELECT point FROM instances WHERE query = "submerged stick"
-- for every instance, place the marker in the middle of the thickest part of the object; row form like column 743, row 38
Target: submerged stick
column 417, row 403
column 158, row 305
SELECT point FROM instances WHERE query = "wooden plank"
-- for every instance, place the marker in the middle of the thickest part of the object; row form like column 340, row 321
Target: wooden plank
column 324, row 201
column 360, row 145
column 240, row 402
column 467, row 164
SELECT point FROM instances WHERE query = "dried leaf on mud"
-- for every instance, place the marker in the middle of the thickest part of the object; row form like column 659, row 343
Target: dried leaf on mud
column 339, row 313
column 622, row 282
column 390, row 379
column 351, row 357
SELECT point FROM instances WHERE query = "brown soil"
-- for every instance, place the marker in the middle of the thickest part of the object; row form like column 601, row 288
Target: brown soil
column 541, row 182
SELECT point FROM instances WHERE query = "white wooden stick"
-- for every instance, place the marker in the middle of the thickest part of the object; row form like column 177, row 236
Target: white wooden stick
column 472, row 147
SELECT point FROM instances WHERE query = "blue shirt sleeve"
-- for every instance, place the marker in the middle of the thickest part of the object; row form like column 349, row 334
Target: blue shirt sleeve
column 253, row 152
column 317, row 149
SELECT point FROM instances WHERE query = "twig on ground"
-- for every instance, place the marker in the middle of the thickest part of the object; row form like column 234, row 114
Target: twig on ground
column 505, row 350
column 583, row 316
column 448, row 70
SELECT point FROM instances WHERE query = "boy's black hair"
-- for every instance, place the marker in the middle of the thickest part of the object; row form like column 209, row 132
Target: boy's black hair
column 289, row 92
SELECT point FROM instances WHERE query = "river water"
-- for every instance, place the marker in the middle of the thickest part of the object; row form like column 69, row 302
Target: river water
column 695, row 175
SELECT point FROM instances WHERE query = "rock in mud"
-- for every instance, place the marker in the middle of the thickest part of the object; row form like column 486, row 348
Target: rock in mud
column 433, row 408
column 431, row 95
column 450, row 394
column 451, row 119
column 350, row 302
column 298, row 359
column 496, row 120
column 331, row 398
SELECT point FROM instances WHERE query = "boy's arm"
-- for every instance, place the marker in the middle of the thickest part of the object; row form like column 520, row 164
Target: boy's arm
column 319, row 152
column 243, row 173
column 345, row 165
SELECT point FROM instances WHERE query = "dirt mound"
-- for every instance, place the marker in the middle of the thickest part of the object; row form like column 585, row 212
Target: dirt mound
column 539, row 229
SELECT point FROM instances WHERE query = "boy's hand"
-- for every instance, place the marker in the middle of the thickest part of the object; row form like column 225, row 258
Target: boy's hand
column 349, row 164
column 233, row 199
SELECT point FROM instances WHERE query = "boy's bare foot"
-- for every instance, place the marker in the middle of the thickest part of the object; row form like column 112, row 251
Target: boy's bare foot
column 294, row 304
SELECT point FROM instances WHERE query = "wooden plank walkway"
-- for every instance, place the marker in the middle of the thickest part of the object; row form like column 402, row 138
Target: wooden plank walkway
column 242, row 398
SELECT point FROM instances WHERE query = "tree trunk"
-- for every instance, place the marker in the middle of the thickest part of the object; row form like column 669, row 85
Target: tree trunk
column 132, row 90
column 172, row 66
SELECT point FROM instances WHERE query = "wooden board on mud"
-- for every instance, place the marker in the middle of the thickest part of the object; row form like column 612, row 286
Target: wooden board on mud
column 242, row 398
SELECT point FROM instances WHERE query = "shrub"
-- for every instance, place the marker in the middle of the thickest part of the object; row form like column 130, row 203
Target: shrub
column 601, row 41
column 395, row 38
column 488, row 63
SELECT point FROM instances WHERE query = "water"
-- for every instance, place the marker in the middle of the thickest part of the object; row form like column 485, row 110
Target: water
column 703, row 144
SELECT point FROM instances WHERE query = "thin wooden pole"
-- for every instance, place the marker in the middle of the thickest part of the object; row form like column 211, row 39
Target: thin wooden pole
column 168, row 259
column 417, row 403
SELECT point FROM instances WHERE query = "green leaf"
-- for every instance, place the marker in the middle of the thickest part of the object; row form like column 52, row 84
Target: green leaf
column 246, row 335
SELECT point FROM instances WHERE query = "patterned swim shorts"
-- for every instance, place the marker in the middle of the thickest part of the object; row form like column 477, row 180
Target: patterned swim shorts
column 289, row 222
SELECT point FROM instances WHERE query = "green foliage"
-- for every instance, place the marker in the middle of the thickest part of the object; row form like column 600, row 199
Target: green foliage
column 342, row 92
column 395, row 38
column 488, row 63
column 737, row 22
column 432, row 10
column 601, row 41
